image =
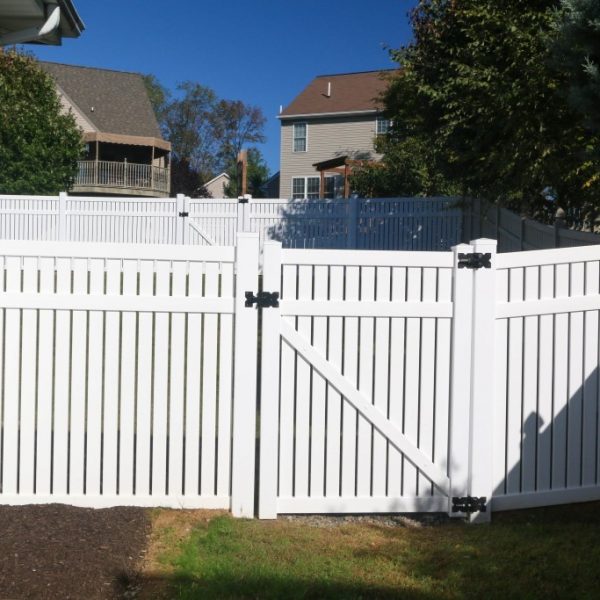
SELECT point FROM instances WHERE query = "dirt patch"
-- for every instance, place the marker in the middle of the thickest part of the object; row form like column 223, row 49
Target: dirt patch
column 63, row 552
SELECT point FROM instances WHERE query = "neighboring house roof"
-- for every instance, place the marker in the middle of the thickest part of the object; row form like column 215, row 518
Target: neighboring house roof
column 221, row 176
column 38, row 21
column 343, row 93
column 216, row 186
column 113, row 102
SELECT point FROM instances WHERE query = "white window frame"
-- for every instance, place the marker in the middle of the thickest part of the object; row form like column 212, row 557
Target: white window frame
column 305, row 137
column 305, row 187
column 379, row 120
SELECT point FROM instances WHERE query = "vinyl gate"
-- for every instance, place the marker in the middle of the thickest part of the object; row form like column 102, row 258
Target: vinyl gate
column 389, row 381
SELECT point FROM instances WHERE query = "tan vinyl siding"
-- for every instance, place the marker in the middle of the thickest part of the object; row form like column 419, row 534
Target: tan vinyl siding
column 67, row 105
column 326, row 138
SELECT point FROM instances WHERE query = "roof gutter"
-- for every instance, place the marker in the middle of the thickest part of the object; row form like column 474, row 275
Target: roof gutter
column 33, row 34
column 347, row 113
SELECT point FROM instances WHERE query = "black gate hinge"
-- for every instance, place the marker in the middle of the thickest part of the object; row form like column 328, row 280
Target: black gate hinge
column 242, row 200
column 469, row 504
column 184, row 214
column 262, row 299
column 474, row 260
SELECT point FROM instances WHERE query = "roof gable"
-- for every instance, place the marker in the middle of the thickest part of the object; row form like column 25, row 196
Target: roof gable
column 348, row 93
column 113, row 101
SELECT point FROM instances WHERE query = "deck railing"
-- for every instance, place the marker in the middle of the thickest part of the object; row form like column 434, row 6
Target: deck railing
column 122, row 175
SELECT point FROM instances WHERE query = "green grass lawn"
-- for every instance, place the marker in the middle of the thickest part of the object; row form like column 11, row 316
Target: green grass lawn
column 546, row 553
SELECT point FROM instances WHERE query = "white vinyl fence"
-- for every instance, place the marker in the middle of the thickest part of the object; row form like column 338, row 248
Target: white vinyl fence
column 515, row 232
column 378, row 224
column 387, row 381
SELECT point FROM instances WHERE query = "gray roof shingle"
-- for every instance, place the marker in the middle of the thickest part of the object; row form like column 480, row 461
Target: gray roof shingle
column 120, row 101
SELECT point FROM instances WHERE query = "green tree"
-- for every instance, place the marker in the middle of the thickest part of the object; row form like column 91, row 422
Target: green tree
column 39, row 144
column 159, row 96
column 257, row 175
column 478, row 90
column 406, row 170
column 236, row 124
column 577, row 50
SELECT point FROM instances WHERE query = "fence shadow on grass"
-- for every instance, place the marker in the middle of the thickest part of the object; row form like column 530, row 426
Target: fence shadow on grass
column 225, row 585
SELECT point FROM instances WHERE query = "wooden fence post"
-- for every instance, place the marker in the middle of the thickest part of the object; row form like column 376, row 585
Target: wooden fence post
column 244, row 379
column 460, row 379
column 269, row 385
column 62, row 217
column 353, row 208
column 482, row 378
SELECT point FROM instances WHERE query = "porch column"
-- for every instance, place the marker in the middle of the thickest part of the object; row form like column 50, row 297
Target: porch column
column 322, row 186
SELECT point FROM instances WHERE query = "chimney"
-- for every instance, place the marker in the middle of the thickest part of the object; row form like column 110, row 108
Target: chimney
column 328, row 94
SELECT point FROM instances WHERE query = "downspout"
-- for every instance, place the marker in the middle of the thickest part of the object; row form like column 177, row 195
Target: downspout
column 33, row 34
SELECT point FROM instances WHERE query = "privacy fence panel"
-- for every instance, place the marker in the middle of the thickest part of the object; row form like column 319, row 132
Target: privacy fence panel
column 117, row 374
column 378, row 224
column 29, row 217
column 547, row 387
column 408, row 224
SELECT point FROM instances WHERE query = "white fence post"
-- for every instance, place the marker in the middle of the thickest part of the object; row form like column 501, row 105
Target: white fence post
column 269, row 386
column 62, row 216
column 460, row 379
column 482, row 378
column 353, row 208
column 244, row 380
column 181, row 208
column 243, row 215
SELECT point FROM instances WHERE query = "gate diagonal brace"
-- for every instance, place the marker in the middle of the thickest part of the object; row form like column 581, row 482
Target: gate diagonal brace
column 474, row 260
column 262, row 299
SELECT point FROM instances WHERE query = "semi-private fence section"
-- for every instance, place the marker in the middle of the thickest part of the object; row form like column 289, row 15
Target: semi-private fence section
column 515, row 232
column 117, row 373
column 379, row 224
column 391, row 382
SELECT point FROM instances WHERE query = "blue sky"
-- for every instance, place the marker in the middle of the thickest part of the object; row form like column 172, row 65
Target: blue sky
column 260, row 51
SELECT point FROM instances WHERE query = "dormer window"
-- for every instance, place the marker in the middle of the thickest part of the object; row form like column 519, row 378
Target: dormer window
column 383, row 126
column 300, row 137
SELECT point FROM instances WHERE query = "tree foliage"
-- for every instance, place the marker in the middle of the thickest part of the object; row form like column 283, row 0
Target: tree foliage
column 206, row 132
column 39, row 145
column 577, row 50
column 256, row 177
column 479, row 93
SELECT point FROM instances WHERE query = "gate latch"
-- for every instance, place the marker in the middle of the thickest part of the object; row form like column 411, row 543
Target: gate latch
column 184, row 214
column 469, row 504
column 474, row 260
column 262, row 299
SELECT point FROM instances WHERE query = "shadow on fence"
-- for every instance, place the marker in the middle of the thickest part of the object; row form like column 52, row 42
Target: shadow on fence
column 369, row 224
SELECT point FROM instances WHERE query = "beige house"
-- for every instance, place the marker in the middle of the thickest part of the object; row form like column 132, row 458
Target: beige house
column 329, row 127
column 125, row 154
column 216, row 186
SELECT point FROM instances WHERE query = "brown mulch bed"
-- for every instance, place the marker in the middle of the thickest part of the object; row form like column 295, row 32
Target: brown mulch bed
column 62, row 552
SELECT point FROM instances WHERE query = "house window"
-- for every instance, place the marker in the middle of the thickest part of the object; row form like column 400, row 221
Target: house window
column 305, row 187
column 299, row 137
column 329, row 187
column 383, row 126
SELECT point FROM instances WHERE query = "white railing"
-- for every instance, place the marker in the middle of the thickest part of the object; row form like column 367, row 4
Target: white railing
column 382, row 224
column 122, row 175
